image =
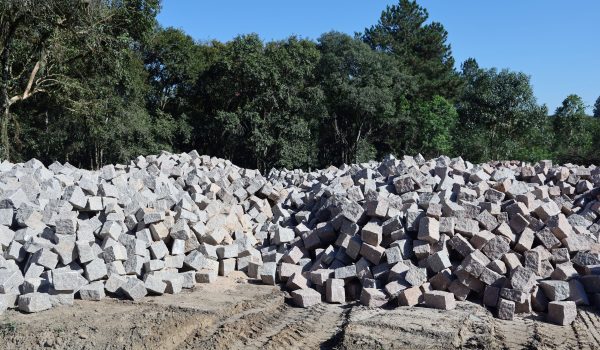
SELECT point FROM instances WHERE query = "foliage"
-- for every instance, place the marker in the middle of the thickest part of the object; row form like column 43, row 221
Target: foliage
column 572, row 127
column 497, row 112
column 99, row 81
column 358, row 85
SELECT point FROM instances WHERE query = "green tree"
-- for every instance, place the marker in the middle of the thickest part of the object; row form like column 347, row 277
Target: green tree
column 262, row 104
column 60, row 58
column 438, row 119
column 174, row 61
column 420, row 49
column 572, row 127
column 597, row 108
column 498, row 114
column 358, row 84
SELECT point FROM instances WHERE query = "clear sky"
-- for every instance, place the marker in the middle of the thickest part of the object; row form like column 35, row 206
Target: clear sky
column 556, row 42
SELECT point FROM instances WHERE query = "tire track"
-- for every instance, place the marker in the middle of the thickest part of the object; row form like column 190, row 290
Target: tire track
column 590, row 322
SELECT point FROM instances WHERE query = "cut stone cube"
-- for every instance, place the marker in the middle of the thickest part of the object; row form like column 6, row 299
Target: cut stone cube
column 282, row 235
column 174, row 283
column 95, row 270
column 562, row 312
column 154, row 285
column 44, row 257
column 438, row 261
column 159, row 249
column 372, row 297
column 226, row 266
column 372, row 233
column 34, row 302
column 335, row 292
column 440, row 300
column 410, row 296
column 506, row 309
column 134, row 289
column 92, row 291
column 67, row 281
column 267, row 273
column 496, row 248
column 372, row 253
column 555, row 290
column 206, row 276
column 490, row 296
column 306, row 297
column 429, row 230
column 297, row 281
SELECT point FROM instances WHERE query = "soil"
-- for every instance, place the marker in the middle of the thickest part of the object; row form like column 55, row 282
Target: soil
column 235, row 313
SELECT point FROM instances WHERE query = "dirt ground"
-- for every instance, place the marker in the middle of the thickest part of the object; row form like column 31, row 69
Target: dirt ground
column 234, row 313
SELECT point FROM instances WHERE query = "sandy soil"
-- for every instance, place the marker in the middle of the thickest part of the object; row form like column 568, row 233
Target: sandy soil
column 234, row 313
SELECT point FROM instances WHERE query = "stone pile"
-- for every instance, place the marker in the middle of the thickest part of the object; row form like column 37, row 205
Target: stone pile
column 157, row 225
column 516, row 237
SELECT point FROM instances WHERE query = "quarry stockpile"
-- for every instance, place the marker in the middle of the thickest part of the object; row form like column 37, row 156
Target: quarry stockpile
column 513, row 236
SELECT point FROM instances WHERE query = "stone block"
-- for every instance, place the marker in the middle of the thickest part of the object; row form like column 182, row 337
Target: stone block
column 562, row 312
column 306, row 297
column 506, row 309
column 372, row 297
column 206, row 276
column 440, row 300
column 429, row 230
column 372, row 234
column 95, row 270
column 134, row 289
column 410, row 296
column 34, row 302
column 154, row 285
column 555, row 290
column 93, row 291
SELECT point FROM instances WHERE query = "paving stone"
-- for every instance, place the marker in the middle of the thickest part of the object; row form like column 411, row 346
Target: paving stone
column 562, row 312
column 306, row 297
column 555, row 290
column 34, row 302
column 372, row 297
column 134, row 289
column 440, row 300
column 92, row 291
column 506, row 309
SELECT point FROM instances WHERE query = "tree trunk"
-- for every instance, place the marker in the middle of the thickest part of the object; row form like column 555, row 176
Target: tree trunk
column 4, row 131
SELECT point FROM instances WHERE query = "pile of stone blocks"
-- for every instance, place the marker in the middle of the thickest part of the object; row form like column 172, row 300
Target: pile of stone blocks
column 514, row 236
column 154, row 226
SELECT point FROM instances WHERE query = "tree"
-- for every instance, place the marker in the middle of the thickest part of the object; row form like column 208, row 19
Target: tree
column 262, row 104
column 497, row 113
column 572, row 126
column 174, row 61
column 42, row 41
column 358, row 85
column 419, row 48
column 438, row 119
column 597, row 108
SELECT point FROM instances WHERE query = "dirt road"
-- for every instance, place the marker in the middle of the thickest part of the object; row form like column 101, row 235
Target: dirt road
column 235, row 314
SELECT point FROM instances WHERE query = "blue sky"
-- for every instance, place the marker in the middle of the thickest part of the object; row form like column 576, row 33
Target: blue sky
column 556, row 42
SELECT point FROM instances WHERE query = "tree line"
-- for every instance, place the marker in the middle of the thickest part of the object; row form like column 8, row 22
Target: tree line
column 99, row 81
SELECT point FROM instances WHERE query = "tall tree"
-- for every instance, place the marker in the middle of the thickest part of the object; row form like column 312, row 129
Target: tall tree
column 174, row 61
column 437, row 119
column 420, row 49
column 261, row 103
column 358, row 84
column 497, row 113
column 597, row 108
column 42, row 41
column 572, row 127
